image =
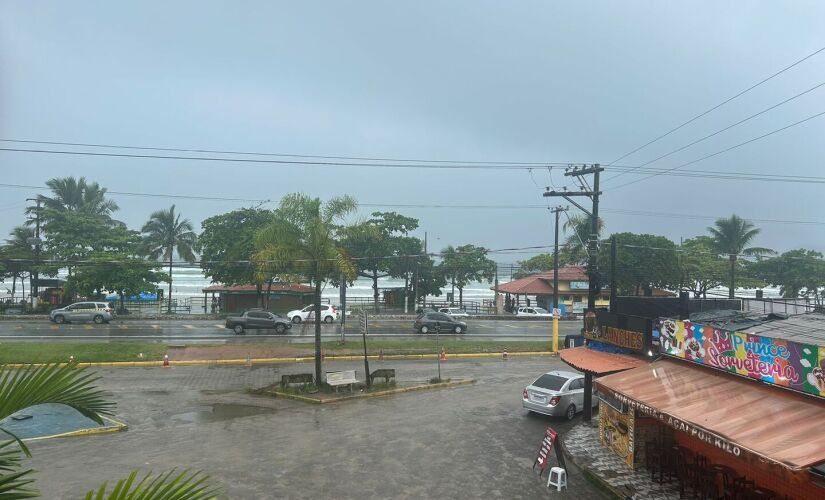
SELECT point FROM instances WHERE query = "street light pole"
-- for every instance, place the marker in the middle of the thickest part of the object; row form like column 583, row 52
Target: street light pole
column 556, row 211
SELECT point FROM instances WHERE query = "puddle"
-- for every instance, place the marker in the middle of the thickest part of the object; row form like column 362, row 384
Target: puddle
column 221, row 412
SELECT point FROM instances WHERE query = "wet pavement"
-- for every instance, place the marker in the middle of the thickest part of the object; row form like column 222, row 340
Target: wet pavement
column 465, row 442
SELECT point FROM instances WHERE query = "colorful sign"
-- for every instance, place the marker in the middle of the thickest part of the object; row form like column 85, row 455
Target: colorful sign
column 794, row 365
column 616, row 431
column 544, row 451
column 629, row 332
column 579, row 285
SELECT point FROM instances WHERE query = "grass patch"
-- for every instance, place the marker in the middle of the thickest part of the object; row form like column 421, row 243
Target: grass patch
column 91, row 352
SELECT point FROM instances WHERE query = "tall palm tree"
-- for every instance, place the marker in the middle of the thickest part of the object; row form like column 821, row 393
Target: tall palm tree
column 576, row 242
column 18, row 247
column 303, row 239
column 164, row 234
column 731, row 236
column 77, row 195
column 72, row 386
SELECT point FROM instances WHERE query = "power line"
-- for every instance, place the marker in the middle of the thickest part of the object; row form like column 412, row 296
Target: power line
column 256, row 153
column 700, row 115
column 719, row 131
column 724, row 150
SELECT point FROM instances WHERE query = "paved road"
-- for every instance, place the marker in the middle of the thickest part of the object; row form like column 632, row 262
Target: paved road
column 213, row 330
column 467, row 442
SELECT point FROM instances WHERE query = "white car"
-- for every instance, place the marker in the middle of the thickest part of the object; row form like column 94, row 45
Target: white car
column 454, row 312
column 328, row 314
column 534, row 312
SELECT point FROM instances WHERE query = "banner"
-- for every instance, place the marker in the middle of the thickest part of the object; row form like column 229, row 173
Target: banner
column 544, row 451
column 785, row 363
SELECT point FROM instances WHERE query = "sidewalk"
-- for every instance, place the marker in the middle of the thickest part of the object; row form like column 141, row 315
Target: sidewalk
column 581, row 445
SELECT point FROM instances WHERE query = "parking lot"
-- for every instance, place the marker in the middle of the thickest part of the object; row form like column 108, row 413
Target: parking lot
column 466, row 442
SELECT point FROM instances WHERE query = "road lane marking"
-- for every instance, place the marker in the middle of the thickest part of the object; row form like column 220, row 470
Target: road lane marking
column 155, row 326
column 87, row 327
column 190, row 327
column 122, row 327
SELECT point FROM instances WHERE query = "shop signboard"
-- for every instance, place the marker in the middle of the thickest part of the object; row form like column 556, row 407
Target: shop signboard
column 794, row 365
column 543, row 457
column 616, row 431
column 579, row 285
column 629, row 332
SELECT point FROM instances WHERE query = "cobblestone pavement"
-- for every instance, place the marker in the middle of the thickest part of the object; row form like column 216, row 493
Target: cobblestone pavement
column 582, row 442
column 466, row 442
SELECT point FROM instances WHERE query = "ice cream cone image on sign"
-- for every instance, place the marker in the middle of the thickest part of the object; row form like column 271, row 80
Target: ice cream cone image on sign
column 816, row 377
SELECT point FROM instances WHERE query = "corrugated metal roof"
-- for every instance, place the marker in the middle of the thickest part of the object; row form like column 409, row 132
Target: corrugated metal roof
column 772, row 423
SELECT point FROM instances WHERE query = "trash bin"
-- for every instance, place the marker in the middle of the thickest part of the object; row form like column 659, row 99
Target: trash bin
column 573, row 341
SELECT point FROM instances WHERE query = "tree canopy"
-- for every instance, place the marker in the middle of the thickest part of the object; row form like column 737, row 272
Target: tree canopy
column 466, row 264
column 229, row 238
column 797, row 273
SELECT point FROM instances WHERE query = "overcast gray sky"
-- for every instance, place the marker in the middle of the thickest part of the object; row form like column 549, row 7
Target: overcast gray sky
column 461, row 80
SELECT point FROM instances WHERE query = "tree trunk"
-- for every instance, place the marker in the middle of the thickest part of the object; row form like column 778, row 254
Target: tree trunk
column 259, row 295
column 121, row 303
column 452, row 292
column 375, row 289
column 731, row 294
column 269, row 292
column 169, row 298
column 318, row 379
column 23, row 288
column 461, row 296
column 13, row 285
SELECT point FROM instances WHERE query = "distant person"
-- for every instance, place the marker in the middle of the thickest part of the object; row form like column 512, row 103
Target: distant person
column 528, row 302
column 214, row 305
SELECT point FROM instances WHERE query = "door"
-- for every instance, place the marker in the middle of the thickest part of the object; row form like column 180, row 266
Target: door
column 576, row 389
column 256, row 320
column 445, row 324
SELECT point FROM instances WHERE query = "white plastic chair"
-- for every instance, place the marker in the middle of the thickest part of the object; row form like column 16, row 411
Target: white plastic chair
column 560, row 478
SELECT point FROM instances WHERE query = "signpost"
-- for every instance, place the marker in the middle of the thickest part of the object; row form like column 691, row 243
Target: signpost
column 556, row 314
column 362, row 316
column 544, row 452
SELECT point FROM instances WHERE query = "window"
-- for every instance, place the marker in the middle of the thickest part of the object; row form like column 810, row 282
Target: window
column 256, row 314
column 576, row 384
column 548, row 381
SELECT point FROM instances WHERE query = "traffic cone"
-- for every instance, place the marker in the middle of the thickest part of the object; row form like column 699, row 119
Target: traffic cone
column 380, row 354
column 443, row 356
column 166, row 361
column 504, row 354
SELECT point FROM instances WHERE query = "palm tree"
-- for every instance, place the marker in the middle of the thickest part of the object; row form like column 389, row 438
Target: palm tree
column 576, row 243
column 18, row 247
column 72, row 386
column 731, row 236
column 166, row 233
column 303, row 239
column 77, row 195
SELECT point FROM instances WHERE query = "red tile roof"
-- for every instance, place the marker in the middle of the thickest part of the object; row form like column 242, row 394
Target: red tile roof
column 598, row 362
column 531, row 285
column 276, row 287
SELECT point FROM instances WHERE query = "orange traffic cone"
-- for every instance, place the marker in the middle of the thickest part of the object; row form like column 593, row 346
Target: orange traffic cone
column 443, row 356
column 504, row 354
column 381, row 354
column 166, row 361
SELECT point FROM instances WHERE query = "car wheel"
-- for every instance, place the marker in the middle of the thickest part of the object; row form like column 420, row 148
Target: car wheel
column 570, row 412
column 59, row 319
column 280, row 328
column 238, row 329
column 296, row 319
column 98, row 320
column 328, row 319
column 424, row 329
column 458, row 329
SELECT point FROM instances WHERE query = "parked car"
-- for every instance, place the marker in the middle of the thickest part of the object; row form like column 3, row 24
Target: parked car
column 328, row 314
column 557, row 393
column 454, row 312
column 99, row 312
column 257, row 320
column 535, row 312
column 436, row 321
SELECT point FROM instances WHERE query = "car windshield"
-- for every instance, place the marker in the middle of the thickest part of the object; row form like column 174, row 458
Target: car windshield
column 540, row 310
column 548, row 381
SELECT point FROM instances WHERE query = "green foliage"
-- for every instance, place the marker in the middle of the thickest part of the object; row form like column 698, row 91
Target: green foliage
column 542, row 263
column 466, row 264
column 643, row 262
column 701, row 267
column 576, row 243
column 372, row 241
column 77, row 195
column 164, row 234
column 170, row 485
column 797, row 272
column 732, row 236
column 228, row 238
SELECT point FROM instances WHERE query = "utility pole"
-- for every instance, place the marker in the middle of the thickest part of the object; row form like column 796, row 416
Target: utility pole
column 556, row 211
column 592, row 252
column 34, row 286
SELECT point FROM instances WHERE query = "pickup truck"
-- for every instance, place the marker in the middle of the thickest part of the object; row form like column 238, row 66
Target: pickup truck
column 255, row 320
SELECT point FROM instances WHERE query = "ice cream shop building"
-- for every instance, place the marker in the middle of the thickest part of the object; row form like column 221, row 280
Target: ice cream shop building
column 734, row 403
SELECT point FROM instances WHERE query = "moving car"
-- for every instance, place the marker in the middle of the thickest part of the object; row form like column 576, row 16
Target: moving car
column 257, row 319
column 454, row 312
column 433, row 322
column 557, row 393
column 535, row 312
column 328, row 314
column 99, row 312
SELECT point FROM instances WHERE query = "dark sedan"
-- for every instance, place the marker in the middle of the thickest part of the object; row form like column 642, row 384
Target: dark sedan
column 432, row 322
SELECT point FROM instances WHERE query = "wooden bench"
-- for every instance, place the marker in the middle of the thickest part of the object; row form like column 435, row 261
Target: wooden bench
column 337, row 379
column 298, row 378
column 385, row 373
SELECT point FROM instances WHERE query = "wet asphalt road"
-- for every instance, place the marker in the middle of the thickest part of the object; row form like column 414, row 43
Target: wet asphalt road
column 214, row 331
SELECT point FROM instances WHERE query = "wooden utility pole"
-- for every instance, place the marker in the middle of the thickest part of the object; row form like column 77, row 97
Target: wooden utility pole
column 556, row 211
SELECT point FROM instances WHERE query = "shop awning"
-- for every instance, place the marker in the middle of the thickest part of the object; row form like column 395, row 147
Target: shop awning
column 754, row 422
column 598, row 362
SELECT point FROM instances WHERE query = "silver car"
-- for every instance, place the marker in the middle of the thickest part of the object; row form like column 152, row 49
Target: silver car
column 556, row 393
column 99, row 312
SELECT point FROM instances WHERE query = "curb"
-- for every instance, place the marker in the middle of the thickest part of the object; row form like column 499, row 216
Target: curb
column 592, row 476
column 115, row 427
column 367, row 395
column 298, row 359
